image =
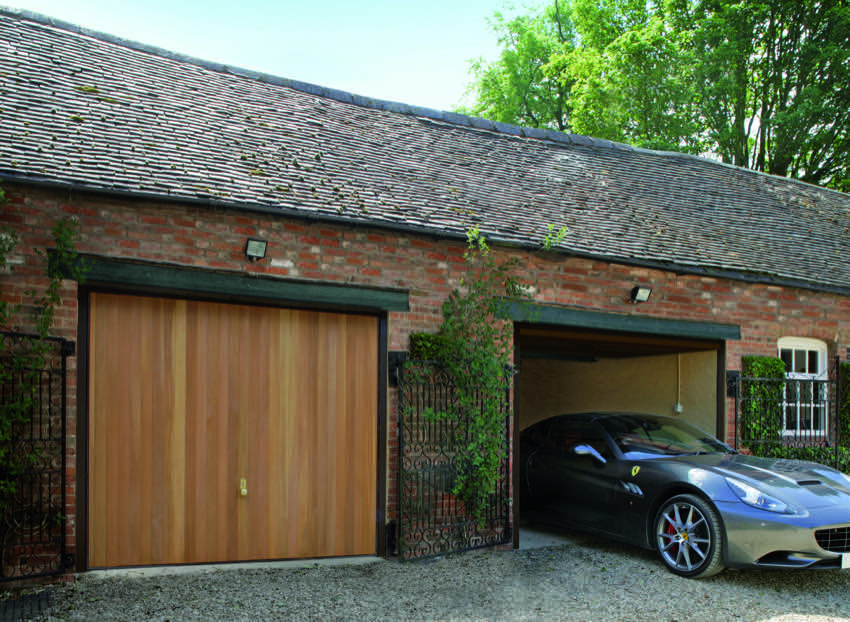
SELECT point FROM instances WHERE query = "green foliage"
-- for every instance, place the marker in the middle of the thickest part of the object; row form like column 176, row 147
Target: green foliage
column 553, row 237
column 762, row 390
column 756, row 84
column 628, row 76
column 771, row 82
column 763, row 367
column 21, row 368
column 518, row 88
column 428, row 347
column 761, row 414
column 62, row 257
column 474, row 346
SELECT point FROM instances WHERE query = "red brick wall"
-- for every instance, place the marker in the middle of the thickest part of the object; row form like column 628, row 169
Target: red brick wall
column 209, row 238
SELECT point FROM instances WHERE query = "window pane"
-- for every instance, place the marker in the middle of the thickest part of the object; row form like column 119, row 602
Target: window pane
column 799, row 361
column 787, row 357
column 806, row 392
column 820, row 418
column 791, row 418
column 805, row 417
column 814, row 366
column 792, row 390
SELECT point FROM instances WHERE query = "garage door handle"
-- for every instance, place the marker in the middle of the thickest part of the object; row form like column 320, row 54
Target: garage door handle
column 243, row 487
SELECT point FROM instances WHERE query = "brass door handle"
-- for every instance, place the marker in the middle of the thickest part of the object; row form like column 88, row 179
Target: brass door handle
column 243, row 487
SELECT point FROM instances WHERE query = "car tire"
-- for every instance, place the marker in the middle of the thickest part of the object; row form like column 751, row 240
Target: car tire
column 689, row 537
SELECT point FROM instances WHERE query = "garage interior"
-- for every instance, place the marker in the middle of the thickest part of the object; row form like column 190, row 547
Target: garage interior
column 575, row 369
column 563, row 370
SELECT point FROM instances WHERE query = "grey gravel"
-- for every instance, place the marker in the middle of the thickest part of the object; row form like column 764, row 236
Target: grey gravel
column 583, row 579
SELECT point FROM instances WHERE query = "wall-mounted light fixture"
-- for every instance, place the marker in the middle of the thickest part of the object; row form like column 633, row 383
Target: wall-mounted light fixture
column 640, row 293
column 255, row 249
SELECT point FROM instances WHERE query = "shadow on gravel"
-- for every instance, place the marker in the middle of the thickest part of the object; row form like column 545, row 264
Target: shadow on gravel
column 578, row 577
column 582, row 544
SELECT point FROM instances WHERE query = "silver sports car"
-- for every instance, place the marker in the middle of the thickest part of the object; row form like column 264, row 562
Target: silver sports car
column 663, row 484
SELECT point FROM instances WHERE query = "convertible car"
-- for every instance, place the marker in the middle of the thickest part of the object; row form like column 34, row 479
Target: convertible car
column 663, row 484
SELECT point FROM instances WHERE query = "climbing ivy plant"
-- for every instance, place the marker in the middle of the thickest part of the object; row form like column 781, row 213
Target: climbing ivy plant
column 21, row 367
column 474, row 345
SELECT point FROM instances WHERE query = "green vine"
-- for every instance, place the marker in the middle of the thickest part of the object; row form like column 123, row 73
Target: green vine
column 21, row 367
column 474, row 346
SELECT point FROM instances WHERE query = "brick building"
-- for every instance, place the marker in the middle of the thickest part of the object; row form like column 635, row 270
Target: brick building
column 226, row 407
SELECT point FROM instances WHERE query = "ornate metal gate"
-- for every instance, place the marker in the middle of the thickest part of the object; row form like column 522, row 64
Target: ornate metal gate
column 789, row 418
column 32, row 457
column 432, row 521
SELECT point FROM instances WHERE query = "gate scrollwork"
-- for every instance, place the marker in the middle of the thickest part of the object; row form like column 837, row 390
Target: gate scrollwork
column 432, row 520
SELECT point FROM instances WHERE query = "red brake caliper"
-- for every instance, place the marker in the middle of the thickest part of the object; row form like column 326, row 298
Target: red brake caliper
column 671, row 530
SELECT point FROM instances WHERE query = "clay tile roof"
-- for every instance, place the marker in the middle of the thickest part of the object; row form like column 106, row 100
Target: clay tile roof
column 99, row 113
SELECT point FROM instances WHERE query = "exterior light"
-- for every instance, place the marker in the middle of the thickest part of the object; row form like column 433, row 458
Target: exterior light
column 640, row 294
column 255, row 249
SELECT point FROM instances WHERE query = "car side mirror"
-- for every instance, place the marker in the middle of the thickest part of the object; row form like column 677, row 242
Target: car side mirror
column 587, row 450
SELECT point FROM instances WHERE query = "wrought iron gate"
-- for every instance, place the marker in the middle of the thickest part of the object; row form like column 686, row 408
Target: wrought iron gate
column 789, row 418
column 432, row 521
column 32, row 459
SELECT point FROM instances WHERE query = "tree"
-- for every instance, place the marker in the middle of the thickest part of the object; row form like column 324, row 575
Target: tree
column 517, row 88
column 772, row 85
column 629, row 75
column 756, row 83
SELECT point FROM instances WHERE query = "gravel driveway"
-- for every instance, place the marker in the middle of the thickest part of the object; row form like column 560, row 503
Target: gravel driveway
column 584, row 578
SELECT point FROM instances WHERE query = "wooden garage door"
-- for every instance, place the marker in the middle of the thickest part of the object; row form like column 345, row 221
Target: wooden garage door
column 188, row 399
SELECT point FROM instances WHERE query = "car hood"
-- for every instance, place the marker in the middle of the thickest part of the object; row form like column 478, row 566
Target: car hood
column 809, row 484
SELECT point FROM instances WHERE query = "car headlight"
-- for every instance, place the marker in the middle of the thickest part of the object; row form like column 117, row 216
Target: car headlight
column 758, row 499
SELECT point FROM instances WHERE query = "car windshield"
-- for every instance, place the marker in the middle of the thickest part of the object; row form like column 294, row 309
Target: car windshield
column 645, row 434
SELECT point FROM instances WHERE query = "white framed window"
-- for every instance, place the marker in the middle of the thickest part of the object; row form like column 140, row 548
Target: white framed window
column 805, row 405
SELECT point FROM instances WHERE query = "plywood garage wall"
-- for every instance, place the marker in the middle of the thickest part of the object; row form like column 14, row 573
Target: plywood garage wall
column 645, row 384
column 189, row 398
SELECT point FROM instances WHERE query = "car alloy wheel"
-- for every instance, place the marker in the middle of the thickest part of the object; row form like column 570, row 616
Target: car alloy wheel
column 689, row 537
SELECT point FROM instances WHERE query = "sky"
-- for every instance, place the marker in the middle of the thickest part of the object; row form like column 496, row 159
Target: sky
column 411, row 52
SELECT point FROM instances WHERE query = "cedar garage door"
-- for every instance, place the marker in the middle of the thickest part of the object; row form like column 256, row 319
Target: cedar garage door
column 221, row 432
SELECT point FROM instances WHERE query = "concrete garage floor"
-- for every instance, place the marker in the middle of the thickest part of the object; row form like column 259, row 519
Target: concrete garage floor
column 536, row 536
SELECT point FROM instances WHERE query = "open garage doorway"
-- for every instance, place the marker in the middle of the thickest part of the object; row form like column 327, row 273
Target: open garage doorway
column 570, row 371
column 573, row 361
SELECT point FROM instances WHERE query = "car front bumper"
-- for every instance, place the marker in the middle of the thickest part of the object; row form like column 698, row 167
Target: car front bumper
column 757, row 538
